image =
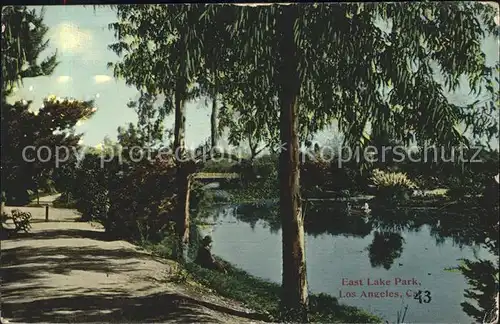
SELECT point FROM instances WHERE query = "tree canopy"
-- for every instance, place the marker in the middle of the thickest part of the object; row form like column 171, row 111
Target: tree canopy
column 22, row 43
column 26, row 131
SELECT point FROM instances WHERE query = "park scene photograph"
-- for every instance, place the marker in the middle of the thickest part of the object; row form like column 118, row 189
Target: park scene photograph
column 250, row 163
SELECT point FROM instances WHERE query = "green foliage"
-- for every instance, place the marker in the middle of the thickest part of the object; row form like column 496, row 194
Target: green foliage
column 64, row 178
column 322, row 178
column 465, row 178
column 219, row 166
column 149, row 131
column 91, row 188
column 132, row 200
column 389, row 78
column 392, row 186
column 483, row 275
column 22, row 43
column 326, row 309
column 482, row 278
column 142, row 201
column 51, row 126
column 65, row 200
column 24, row 132
column 461, row 188
column 178, row 275
column 391, row 179
column 164, row 248
column 109, row 187
column 258, row 180
column 158, row 60
column 470, row 179
column 348, row 65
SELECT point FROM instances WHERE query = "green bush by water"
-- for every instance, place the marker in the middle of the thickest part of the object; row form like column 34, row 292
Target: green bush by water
column 392, row 187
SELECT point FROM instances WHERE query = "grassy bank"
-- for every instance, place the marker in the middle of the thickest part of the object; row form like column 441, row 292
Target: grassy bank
column 261, row 295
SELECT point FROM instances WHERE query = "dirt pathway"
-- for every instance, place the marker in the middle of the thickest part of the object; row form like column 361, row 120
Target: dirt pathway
column 65, row 271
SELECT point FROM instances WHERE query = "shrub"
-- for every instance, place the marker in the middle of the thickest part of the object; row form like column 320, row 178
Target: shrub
column 64, row 201
column 142, row 201
column 314, row 176
column 319, row 176
column 91, row 193
column 201, row 199
column 218, row 166
column 469, row 184
column 392, row 186
column 460, row 187
column 258, row 180
column 165, row 246
column 17, row 197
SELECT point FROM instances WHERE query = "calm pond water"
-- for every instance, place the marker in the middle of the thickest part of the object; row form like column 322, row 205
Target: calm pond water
column 413, row 246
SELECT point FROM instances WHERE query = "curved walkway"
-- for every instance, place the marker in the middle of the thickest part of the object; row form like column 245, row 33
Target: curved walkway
column 65, row 271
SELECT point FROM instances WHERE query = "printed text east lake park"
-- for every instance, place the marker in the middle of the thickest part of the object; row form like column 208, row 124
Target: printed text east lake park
column 378, row 283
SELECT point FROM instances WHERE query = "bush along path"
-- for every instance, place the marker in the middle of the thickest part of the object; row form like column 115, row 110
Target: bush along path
column 67, row 271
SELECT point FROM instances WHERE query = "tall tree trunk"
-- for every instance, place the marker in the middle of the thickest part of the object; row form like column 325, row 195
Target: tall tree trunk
column 2, row 202
column 294, row 285
column 213, row 117
column 253, row 148
column 213, row 121
column 182, row 225
column 37, row 193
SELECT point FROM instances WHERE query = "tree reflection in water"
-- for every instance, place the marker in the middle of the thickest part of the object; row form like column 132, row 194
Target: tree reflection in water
column 480, row 275
column 483, row 275
column 385, row 248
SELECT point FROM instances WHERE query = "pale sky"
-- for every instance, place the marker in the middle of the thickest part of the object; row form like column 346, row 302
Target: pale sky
column 81, row 36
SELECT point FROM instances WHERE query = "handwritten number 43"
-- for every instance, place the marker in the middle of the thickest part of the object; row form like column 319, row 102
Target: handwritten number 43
column 423, row 296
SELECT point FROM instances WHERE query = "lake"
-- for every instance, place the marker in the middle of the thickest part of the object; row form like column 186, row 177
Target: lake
column 406, row 251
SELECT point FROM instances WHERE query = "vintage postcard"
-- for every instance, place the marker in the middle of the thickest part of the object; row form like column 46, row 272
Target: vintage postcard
column 250, row 162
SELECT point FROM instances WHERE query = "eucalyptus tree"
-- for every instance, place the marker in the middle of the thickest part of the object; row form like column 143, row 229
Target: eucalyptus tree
column 315, row 63
column 149, row 132
column 246, row 111
column 161, row 53
column 23, row 40
column 216, row 51
column 328, row 62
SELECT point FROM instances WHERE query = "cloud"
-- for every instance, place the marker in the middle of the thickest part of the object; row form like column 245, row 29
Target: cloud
column 73, row 41
column 102, row 78
column 69, row 38
column 63, row 79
